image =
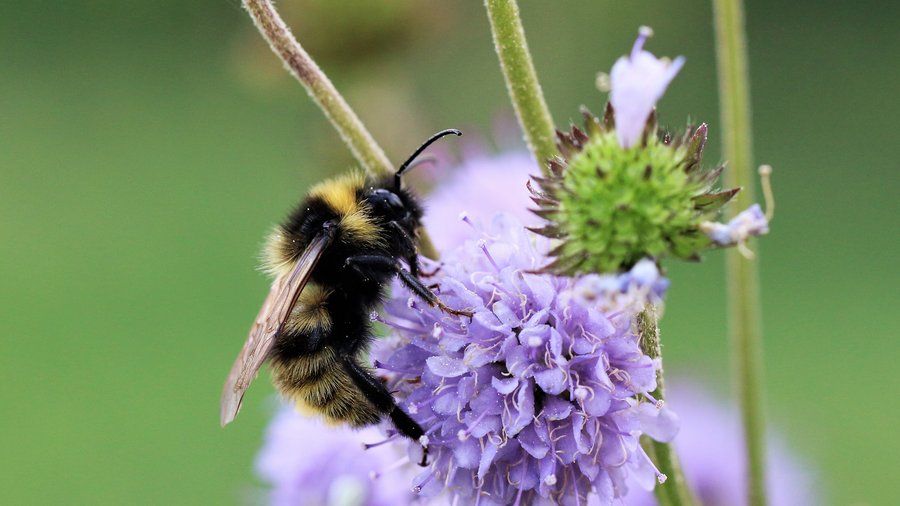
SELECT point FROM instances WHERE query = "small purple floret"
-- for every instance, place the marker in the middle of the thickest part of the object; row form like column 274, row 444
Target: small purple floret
column 637, row 82
column 307, row 462
column 481, row 185
column 750, row 222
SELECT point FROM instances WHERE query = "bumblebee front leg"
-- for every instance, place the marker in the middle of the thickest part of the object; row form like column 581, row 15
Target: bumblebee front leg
column 408, row 279
column 415, row 284
column 412, row 256
column 378, row 395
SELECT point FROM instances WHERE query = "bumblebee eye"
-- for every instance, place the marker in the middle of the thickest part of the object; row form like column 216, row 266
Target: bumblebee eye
column 387, row 197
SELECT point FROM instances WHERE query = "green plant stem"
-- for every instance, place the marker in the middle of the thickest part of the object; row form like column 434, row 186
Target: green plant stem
column 521, row 80
column 675, row 491
column 319, row 87
column 351, row 129
column 743, row 279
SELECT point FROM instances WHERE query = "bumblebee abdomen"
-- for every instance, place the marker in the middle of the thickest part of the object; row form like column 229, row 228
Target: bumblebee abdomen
column 318, row 383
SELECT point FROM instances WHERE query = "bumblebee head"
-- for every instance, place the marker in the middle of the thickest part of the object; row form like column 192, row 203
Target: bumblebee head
column 390, row 202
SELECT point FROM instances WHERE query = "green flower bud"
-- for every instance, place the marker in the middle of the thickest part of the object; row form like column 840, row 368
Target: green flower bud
column 611, row 206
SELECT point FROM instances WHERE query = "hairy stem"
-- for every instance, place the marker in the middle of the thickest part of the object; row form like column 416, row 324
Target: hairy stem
column 675, row 491
column 743, row 279
column 319, row 87
column 521, row 80
column 298, row 62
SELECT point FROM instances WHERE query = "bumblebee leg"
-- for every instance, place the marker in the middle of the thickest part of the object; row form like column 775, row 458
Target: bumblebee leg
column 383, row 262
column 378, row 395
column 412, row 256
column 410, row 240
column 411, row 281
column 413, row 261
column 415, row 284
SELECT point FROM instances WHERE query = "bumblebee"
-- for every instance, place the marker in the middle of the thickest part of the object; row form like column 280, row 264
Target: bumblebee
column 332, row 259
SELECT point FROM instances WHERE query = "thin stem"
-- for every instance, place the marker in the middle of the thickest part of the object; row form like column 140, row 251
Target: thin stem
column 675, row 491
column 351, row 129
column 743, row 279
column 301, row 65
column 521, row 80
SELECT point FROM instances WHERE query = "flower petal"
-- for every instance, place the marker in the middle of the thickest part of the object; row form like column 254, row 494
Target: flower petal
column 556, row 408
column 467, row 454
column 660, row 424
column 505, row 314
column 551, row 381
column 504, row 386
column 446, row 367
column 532, row 444
column 637, row 82
column 487, row 458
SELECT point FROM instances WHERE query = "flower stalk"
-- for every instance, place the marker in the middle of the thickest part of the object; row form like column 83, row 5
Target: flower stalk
column 521, row 79
column 301, row 65
column 743, row 279
column 675, row 491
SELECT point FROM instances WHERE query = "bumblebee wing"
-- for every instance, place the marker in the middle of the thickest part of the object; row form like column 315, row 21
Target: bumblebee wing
column 275, row 310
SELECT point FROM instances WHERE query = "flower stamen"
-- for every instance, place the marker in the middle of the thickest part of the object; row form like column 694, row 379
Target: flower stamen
column 644, row 33
column 483, row 245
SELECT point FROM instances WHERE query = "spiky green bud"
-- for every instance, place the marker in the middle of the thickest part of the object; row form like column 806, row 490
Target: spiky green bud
column 611, row 206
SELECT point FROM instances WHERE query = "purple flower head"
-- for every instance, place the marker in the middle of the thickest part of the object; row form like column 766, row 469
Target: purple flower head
column 308, row 463
column 637, row 82
column 748, row 223
column 711, row 451
column 482, row 185
column 538, row 399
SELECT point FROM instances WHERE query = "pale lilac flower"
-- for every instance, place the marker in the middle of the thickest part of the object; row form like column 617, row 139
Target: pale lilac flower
column 637, row 82
column 539, row 399
column 309, row 463
column 750, row 222
column 482, row 185
column 710, row 447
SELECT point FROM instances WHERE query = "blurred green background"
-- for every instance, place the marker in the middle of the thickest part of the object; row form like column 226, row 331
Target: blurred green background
column 145, row 148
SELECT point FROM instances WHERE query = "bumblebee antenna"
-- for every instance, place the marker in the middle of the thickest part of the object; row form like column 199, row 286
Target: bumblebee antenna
column 408, row 164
